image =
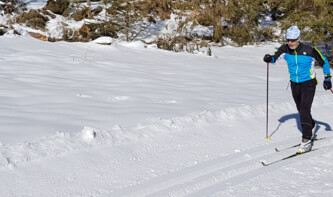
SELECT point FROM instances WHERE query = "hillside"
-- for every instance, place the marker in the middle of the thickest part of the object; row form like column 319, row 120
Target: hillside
column 176, row 25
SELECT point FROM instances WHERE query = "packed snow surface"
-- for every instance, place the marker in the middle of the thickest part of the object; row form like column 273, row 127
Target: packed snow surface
column 83, row 119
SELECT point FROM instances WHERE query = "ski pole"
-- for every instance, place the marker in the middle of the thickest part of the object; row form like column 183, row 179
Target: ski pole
column 267, row 137
column 331, row 90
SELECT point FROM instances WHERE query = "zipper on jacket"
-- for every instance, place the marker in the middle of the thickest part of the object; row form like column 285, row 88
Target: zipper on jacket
column 296, row 66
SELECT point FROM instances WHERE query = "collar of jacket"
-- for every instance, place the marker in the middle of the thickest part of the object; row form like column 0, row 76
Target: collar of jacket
column 298, row 46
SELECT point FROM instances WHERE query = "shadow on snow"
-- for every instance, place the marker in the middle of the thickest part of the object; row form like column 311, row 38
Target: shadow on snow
column 296, row 116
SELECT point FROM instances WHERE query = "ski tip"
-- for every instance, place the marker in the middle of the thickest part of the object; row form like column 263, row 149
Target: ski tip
column 268, row 138
column 264, row 164
column 277, row 150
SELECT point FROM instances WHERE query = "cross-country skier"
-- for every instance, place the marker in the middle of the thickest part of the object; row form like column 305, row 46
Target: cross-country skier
column 300, row 59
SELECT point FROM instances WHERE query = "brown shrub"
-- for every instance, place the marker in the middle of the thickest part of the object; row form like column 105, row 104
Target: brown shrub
column 45, row 12
column 82, row 13
column 161, row 8
column 84, row 31
column 32, row 19
column 67, row 34
column 176, row 43
column 10, row 6
column 98, row 10
column 9, row 9
column 104, row 29
column 163, row 14
column 57, row 6
column 205, row 19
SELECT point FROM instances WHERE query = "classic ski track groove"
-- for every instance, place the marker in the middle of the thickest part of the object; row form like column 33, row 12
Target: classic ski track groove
column 213, row 175
column 224, row 183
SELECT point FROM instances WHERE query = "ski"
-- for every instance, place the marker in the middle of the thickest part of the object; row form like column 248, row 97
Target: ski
column 285, row 158
column 294, row 146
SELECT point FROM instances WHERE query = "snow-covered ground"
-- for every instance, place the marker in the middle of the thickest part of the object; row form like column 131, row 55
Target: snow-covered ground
column 82, row 119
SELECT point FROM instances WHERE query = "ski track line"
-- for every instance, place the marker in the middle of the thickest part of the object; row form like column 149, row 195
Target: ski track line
column 220, row 180
column 224, row 183
column 17, row 186
column 207, row 174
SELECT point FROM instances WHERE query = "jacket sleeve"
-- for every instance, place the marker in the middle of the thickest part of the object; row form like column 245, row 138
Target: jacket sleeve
column 322, row 61
column 278, row 53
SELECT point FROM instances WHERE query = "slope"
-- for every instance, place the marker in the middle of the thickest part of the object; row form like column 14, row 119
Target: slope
column 124, row 120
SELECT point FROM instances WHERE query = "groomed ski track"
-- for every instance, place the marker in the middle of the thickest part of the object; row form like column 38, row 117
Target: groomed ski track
column 206, row 154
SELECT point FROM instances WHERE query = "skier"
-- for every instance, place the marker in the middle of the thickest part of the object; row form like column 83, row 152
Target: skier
column 300, row 59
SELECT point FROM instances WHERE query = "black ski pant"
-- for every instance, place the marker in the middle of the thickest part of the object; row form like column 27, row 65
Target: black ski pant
column 303, row 94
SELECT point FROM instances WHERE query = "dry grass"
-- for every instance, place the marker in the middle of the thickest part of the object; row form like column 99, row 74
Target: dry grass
column 33, row 19
column 57, row 6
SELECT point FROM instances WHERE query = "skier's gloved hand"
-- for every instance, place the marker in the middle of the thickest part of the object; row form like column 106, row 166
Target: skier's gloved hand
column 327, row 82
column 268, row 58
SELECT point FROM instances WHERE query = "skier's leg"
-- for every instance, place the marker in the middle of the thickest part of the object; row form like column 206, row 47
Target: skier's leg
column 307, row 91
column 295, row 91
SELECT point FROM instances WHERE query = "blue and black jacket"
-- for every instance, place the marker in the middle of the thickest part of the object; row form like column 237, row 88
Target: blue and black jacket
column 301, row 61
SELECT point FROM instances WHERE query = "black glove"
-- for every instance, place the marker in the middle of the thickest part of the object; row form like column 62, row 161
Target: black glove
column 327, row 82
column 268, row 58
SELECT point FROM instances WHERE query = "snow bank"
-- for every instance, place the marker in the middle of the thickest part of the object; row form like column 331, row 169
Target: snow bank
column 15, row 155
column 104, row 40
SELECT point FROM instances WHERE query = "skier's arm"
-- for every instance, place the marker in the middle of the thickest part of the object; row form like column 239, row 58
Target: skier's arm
column 278, row 53
column 272, row 58
column 322, row 61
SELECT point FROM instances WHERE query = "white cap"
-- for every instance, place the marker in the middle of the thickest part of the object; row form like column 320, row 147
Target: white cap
column 293, row 33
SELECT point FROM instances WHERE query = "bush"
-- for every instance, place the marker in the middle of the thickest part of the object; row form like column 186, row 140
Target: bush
column 81, row 14
column 103, row 29
column 161, row 8
column 9, row 9
column 32, row 19
column 57, row 6
column 84, row 31
column 68, row 34
column 179, row 43
column 262, row 35
column 48, row 13
column 10, row 6
column 92, row 31
column 98, row 10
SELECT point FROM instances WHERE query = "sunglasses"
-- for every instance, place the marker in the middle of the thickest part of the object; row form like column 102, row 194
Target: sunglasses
column 291, row 40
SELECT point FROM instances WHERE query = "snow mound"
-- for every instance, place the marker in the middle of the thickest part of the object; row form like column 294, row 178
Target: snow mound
column 88, row 134
column 60, row 143
column 104, row 40
column 15, row 155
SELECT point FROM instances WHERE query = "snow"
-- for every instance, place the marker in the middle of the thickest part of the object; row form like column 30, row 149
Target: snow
column 104, row 40
column 34, row 4
column 126, row 119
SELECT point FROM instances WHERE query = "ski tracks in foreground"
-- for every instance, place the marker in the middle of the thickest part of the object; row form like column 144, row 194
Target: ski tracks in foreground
column 215, row 176
column 209, row 178
column 205, row 178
